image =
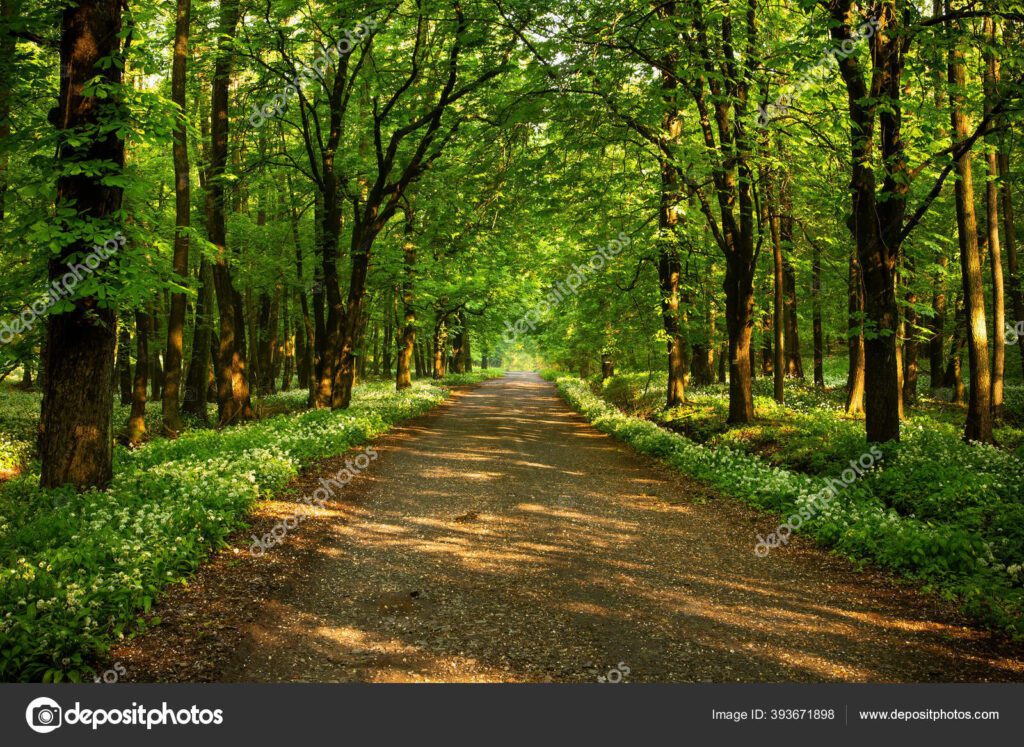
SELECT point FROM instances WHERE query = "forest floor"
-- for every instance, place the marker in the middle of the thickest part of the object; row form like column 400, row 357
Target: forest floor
column 501, row 538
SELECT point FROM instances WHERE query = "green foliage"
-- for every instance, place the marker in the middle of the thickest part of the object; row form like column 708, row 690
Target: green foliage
column 934, row 509
column 77, row 569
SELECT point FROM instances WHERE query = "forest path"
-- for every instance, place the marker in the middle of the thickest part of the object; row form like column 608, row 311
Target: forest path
column 508, row 540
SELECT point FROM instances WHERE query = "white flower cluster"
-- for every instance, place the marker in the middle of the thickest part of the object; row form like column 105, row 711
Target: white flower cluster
column 108, row 553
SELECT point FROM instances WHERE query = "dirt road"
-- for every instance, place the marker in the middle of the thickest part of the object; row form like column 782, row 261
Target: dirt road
column 504, row 539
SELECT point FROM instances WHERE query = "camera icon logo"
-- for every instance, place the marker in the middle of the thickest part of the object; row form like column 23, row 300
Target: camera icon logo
column 43, row 715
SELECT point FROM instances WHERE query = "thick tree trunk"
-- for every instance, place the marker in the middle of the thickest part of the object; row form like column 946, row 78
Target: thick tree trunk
column 876, row 222
column 338, row 327
column 182, row 204
column 233, row 402
column 669, row 267
column 344, row 376
column 739, row 320
column 979, row 405
column 75, row 437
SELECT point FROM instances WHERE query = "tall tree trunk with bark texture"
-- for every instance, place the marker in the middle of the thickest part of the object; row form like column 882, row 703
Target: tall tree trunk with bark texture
column 75, row 443
column 182, row 206
column 233, row 402
column 992, row 224
column 979, row 405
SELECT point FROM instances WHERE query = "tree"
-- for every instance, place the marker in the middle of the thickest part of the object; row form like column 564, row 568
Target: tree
column 176, row 318
column 75, row 443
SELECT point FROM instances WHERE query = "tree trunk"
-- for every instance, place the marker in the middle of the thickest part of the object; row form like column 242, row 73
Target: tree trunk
column 992, row 224
column 819, row 342
column 791, row 333
column 263, row 341
column 182, row 205
column 936, row 346
column 855, row 373
column 75, row 437
column 421, row 366
column 196, row 382
column 979, row 406
column 233, row 402
column 287, row 349
column 953, row 378
column 794, row 361
column 669, row 267
column 156, row 370
column 407, row 340
column 124, row 364
column 1010, row 235
column 703, row 366
column 390, row 307
column 7, row 49
column 337, row 323
column 876, row 221
column 274, row 342
column 137, row 418
column 779, row 316
column 739, row 320
column 459, row 344
column 910, row 346
column 607, row 366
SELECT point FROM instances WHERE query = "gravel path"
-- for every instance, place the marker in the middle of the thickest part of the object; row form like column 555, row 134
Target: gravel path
column 507, row 540
column 503, row 539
